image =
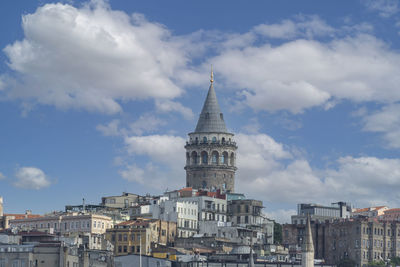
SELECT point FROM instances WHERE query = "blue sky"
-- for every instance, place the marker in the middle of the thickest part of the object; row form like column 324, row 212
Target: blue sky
column 97, row 98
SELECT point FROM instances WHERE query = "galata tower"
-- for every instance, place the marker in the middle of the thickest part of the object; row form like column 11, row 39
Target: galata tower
column 211, row 149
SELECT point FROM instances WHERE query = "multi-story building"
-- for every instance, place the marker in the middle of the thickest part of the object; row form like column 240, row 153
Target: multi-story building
column 66, row 223
column 125, row 200
column 211, row 150
column 391, row 215
column 320, row 212
column 247, row 213
column 180, row 210
column 360, row 239
column 138, row 236
column 369, row 212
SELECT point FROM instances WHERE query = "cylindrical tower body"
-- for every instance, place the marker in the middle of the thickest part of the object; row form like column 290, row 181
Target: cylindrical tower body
column 211, row 161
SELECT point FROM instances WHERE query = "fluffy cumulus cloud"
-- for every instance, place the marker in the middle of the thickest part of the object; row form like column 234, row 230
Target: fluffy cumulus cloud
column 2, row 176
column 304, row 73
column 31, row 178
column 387, row 122
column 92, row 57
column 269, row 171
column 385, row 8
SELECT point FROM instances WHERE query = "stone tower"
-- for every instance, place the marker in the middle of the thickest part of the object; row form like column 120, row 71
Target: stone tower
column 211, row 149
column 307, row 250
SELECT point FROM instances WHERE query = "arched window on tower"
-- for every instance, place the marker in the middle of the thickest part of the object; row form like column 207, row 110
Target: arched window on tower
column 232, row 159
column 204, row 157
column 214, row 139
column 224, row 158
column 204, row 139
column 214, row 158
column 223, row 140
column 194, row 158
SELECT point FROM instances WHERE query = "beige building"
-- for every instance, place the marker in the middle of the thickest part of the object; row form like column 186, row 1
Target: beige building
column 138, row 236
column 66, row 223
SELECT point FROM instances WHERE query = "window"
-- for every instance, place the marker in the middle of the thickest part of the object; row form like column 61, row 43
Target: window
column 113, row 237
column 133, row 249
column 133, row 238
column 204, row 139
column 214, row 158
column 119, row 249
column 204, row 157
column 214, row 139
column 138, row 249
column 125, row 249
column 120, row 237
column 125, row 237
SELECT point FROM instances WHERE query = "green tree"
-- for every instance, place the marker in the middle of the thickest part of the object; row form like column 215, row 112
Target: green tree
column 346, row 263
column 376, row 263
column 277, row 233
column 395, row 261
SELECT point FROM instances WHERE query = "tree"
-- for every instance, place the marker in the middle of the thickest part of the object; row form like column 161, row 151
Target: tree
column 277, row 233
column 346, row 263
column 376, row 263
column 395, row 261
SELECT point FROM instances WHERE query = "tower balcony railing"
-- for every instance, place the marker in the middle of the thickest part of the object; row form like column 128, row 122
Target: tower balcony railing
column 210, row 142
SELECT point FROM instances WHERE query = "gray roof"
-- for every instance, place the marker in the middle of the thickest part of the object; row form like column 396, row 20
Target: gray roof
column 211, row 118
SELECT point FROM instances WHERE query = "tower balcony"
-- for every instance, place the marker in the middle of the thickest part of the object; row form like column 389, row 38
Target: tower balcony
column 210, row 166
column 210, row 143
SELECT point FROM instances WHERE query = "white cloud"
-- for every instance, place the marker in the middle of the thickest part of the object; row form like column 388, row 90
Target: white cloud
column 110, row 129
column 92, row 57
column 387, row 122
column 281, row 215
column 300, row 74
column 385, row 8
column 269, row 171
column 2, row 176
column 304, row 27
column 160, row 148
column 172, row 106
column 145, row 124
column 31, row 178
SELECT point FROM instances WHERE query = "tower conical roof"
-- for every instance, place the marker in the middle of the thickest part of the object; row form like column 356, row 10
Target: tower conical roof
column 211, row 118
column 308, row 245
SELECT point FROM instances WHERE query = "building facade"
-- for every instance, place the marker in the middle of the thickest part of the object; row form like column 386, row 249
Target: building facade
column 211, row 150
column 138, row 236
column 66, row 223
column 360, row 239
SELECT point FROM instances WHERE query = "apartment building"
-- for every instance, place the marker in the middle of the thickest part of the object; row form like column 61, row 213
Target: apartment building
column 66, row 223
column 138, row 236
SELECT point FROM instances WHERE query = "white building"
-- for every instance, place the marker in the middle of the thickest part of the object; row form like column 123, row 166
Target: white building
column 183, row 212
column 68, row 223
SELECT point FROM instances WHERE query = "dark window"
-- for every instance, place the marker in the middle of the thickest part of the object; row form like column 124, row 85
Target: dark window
column 113, row 237
column 125, row 249
column 120, row 237
column 119, row 249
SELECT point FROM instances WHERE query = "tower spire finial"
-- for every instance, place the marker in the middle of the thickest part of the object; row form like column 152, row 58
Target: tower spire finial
column 212, row 75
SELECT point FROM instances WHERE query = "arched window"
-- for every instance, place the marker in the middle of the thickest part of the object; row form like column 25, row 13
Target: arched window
column 224, row 158
column 214, row 158
column 232, row 159
column 204, row 157
column 194, row 158
column 204, row 139
column 214, row 139
column 223, row 139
